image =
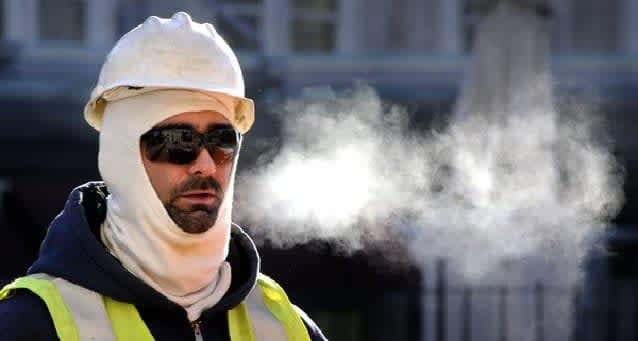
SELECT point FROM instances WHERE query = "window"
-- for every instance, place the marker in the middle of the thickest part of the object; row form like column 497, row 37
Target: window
column 239, row 22
column 594, row 27
column 62, row 20
column 313, row 25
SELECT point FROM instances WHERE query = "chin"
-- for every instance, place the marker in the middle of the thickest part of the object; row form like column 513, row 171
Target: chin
column 194, row 222
column 195, row 228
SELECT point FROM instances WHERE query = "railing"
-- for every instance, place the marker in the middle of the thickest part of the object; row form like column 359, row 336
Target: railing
column 534, row 312
column 601, row 308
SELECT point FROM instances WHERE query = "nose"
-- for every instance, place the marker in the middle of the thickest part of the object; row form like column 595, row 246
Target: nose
column 203, row 165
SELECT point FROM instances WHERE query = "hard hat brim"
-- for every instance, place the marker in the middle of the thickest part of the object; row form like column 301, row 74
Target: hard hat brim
column 244, row 111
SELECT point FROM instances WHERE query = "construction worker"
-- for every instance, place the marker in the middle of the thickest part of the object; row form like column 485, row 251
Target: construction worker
column 151, row 253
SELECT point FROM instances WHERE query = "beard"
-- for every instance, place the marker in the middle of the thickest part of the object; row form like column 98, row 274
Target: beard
column 195, row 219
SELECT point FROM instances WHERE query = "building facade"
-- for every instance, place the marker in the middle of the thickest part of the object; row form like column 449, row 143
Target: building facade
column 412, row 51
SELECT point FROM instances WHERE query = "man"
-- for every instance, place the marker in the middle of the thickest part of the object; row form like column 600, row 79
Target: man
column 151, row 253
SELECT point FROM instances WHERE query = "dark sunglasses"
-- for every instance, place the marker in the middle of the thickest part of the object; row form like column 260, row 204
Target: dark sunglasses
column 182, row 145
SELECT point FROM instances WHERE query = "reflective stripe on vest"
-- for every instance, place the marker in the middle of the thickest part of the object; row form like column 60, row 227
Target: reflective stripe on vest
column 81, row 314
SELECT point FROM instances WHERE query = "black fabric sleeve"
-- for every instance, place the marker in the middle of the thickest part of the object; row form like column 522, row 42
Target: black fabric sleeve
column 313, row 330
column 24, row 317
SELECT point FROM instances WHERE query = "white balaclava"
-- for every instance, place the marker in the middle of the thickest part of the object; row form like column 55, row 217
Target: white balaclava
column 189, row 269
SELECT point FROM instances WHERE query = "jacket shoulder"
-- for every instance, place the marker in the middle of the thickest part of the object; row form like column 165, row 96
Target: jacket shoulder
column 24, row 316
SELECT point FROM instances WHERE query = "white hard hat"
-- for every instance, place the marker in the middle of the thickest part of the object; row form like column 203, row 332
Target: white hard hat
column 174, row 53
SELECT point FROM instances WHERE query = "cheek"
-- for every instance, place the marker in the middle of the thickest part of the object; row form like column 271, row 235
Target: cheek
column 162, row 179
column 223, row 175
column 165, row 179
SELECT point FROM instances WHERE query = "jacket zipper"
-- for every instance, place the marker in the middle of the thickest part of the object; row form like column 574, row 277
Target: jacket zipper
column 197, row 330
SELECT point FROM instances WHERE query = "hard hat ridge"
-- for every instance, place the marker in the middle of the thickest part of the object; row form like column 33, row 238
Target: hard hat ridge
column 182, row 18
column 179, row 19
column 152, row 23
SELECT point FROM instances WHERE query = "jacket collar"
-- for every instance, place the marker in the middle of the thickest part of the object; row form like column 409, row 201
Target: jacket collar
column 72, row 250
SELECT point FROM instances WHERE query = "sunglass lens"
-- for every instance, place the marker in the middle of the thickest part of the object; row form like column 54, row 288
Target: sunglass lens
column 154, row 151
column 222, row 144
column 221, row 155
column 175, row 146
column 181, row 154
column 181, row 146
column 228, row 138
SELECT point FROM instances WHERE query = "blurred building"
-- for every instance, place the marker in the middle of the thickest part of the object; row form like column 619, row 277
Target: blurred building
column 412, row 51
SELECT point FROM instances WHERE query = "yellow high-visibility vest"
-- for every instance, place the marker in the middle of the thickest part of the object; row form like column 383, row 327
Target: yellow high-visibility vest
column 82, row 314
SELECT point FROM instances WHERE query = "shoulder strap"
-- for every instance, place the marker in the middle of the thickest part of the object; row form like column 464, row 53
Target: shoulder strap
column 239, row 325
column 62, row 320
column 126, row 320
column 78, row 316
column 277, row 302
column 267, row 299
column 82, row 314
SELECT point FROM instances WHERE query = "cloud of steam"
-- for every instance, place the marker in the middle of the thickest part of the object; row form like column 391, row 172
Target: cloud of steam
column 351, row 170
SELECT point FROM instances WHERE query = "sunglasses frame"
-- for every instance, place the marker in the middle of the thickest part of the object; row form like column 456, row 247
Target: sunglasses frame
column 182, row 145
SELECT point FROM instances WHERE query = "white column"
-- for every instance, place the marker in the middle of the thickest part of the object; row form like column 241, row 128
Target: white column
column 374, row 34
column 418, row 28
column 349, row 27
column 12, row 24
column 276, row 22
column 562, row 18
column 21, row 20
column 630, row 27
column 100, row 21
column 450, row 42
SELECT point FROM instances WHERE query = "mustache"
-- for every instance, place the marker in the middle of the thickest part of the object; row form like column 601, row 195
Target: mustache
column 198, row 183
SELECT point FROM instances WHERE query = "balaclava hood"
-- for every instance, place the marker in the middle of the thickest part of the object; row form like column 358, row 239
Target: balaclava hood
column 189, row 269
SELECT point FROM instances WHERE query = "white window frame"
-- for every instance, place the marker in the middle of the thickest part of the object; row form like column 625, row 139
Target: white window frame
column 22, row 25
column 275, row 29
column 246, row 10
column 316, row 16
column 274, row 18
column 451, row 28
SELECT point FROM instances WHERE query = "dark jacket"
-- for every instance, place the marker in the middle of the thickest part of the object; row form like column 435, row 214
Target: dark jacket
column 73, row 251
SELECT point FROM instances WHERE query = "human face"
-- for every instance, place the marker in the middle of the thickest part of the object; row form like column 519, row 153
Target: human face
column 191, row 193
